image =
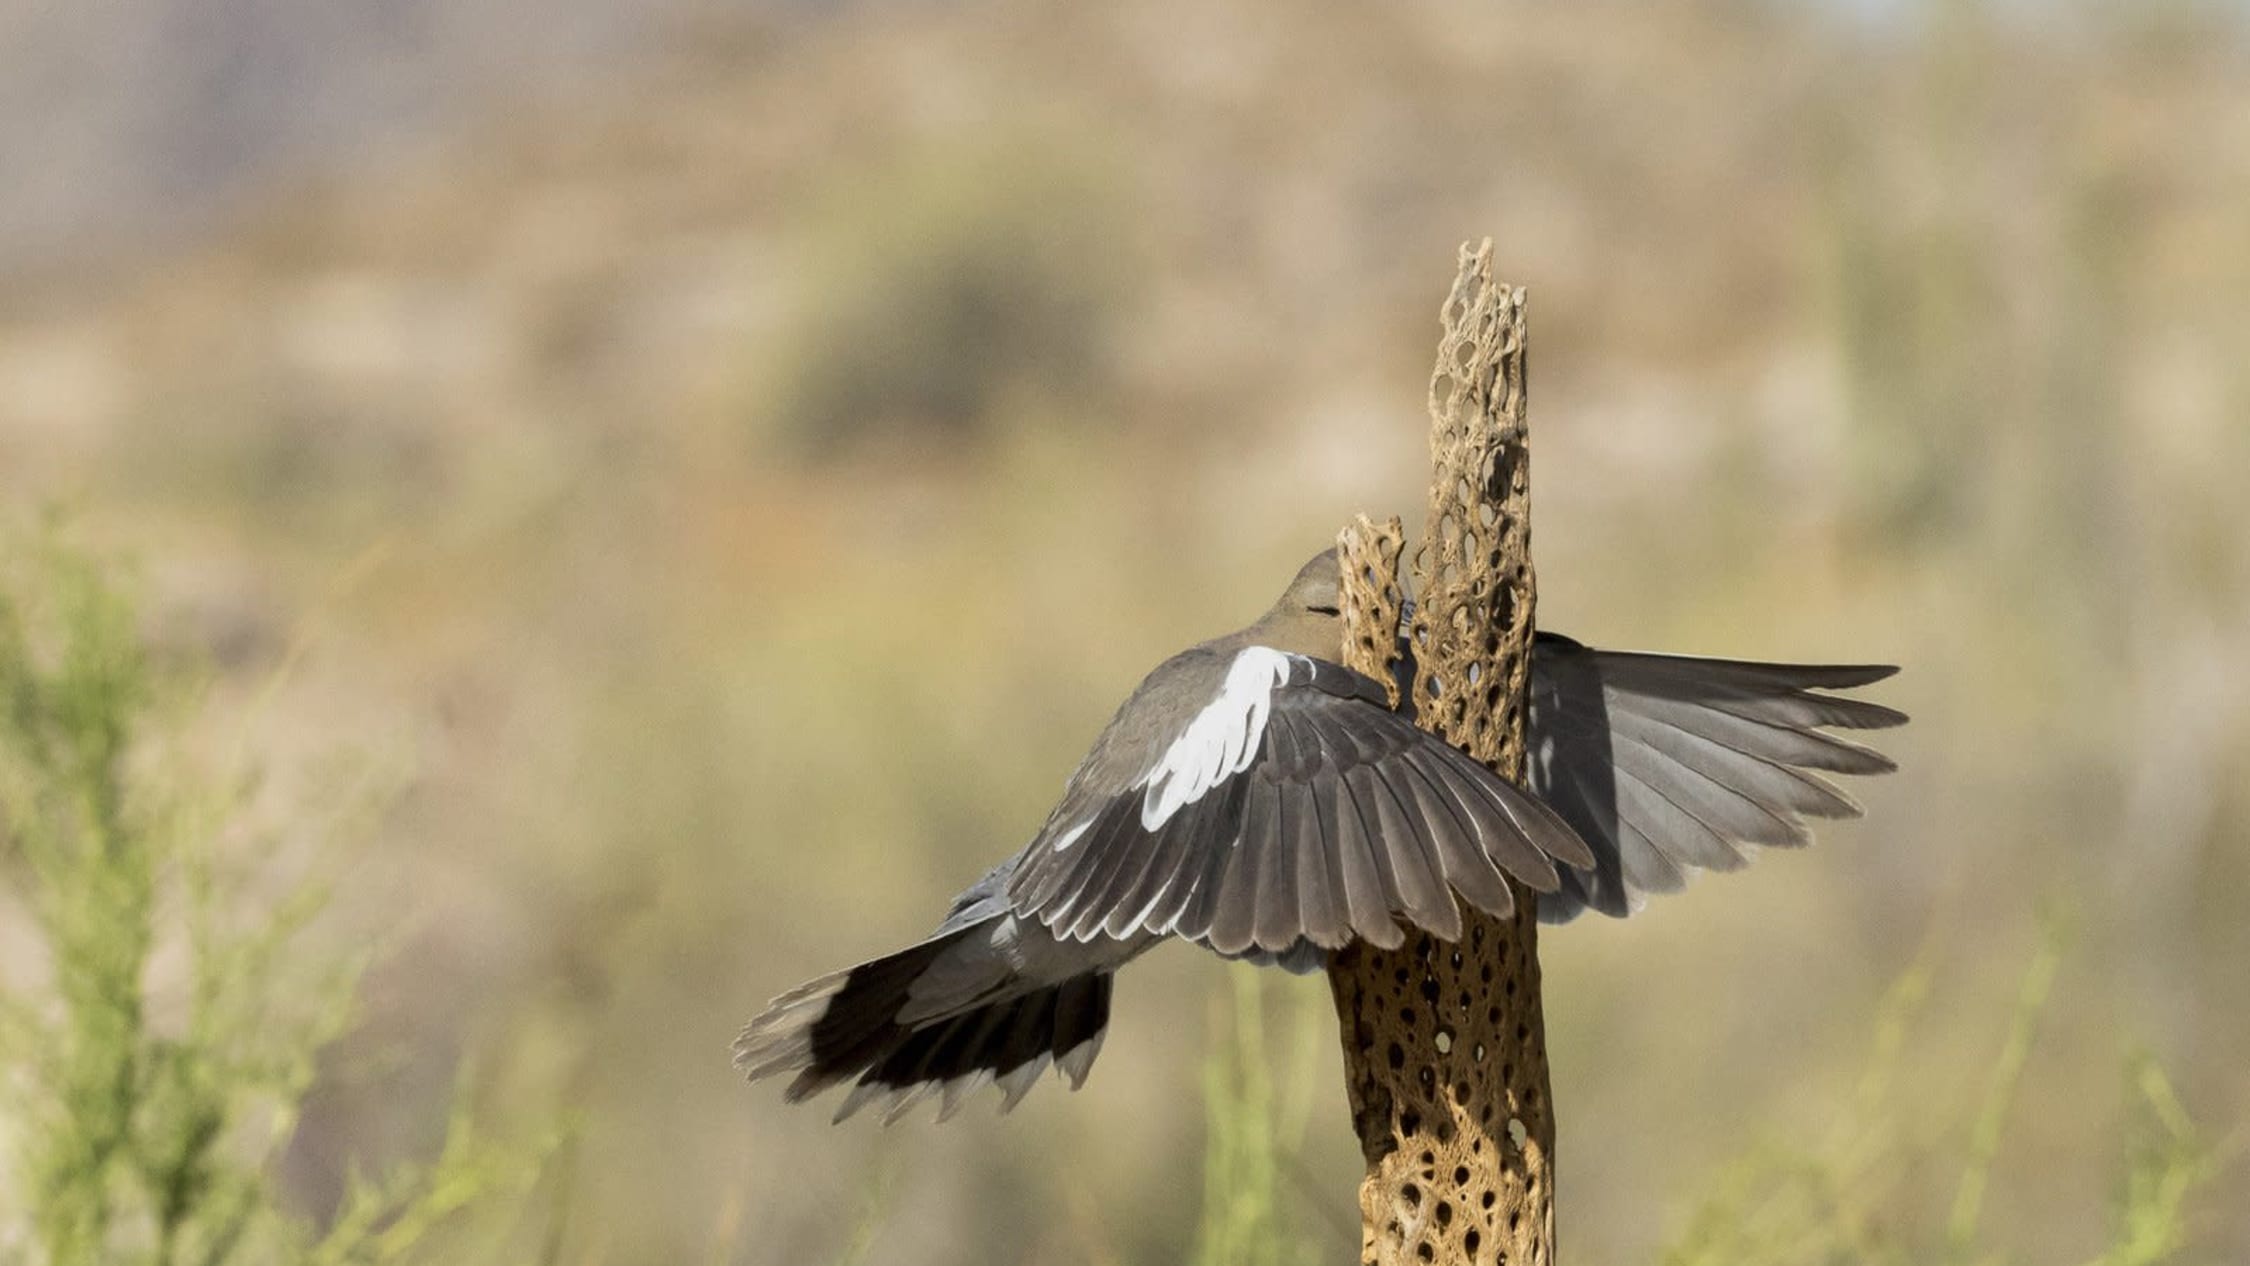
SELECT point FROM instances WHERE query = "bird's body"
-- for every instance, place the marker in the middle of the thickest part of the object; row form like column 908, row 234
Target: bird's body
column 1257, row 798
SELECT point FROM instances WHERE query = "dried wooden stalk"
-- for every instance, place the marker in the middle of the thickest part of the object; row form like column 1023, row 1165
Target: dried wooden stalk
column 1444, row 1043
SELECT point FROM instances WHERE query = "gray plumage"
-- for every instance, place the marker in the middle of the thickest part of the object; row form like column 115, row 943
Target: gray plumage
column 1254, row 797
column 1668, row 764
column 1346, row 819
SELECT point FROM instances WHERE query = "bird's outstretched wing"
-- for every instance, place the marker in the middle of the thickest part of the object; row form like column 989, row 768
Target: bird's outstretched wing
column 1288, row 806
column 1668, row 764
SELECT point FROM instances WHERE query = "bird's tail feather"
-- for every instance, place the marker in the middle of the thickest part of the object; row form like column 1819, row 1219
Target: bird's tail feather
column 846, row 1026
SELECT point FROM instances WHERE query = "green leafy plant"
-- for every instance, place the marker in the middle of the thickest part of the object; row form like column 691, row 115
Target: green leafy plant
column 154, row 1057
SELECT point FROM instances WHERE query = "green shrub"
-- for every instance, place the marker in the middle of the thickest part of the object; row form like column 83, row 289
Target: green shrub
column 153, row 1066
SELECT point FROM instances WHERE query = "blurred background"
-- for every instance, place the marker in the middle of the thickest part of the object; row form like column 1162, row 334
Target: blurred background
column 733, row 456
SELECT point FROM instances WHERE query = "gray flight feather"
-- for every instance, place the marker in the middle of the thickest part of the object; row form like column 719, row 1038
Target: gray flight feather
column 1666, row 764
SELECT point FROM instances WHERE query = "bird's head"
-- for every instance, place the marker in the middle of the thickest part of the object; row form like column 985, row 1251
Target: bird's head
column 1308, row 617
column 1318, row 589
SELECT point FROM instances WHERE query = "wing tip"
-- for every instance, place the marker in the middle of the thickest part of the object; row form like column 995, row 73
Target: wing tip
column 1847, row 676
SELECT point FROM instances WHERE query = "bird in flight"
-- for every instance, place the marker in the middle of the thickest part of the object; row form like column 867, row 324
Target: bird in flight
column 1257, row 798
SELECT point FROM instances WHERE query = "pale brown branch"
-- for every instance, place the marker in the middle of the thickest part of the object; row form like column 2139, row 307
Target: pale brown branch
column 1444, row 1043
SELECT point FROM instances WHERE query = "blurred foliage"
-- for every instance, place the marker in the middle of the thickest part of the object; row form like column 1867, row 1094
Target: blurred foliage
column 1863, row 1194
column 1258, row 1094
column 143, row 1128
column 944, row 288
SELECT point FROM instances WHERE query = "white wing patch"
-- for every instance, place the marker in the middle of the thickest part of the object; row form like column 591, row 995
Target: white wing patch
column 1221, row 741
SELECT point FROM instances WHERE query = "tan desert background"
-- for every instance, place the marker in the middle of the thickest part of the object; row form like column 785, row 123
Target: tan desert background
column 718, row 464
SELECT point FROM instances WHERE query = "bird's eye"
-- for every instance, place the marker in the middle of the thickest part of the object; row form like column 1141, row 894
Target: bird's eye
column 1324, row 610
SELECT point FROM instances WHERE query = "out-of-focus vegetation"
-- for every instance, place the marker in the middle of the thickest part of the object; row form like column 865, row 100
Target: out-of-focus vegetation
column 1867, row 1189
column 975, row 283
column 155, row 1063
column 1259, row 1085
column 1870, row 1187
column 744, row 533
